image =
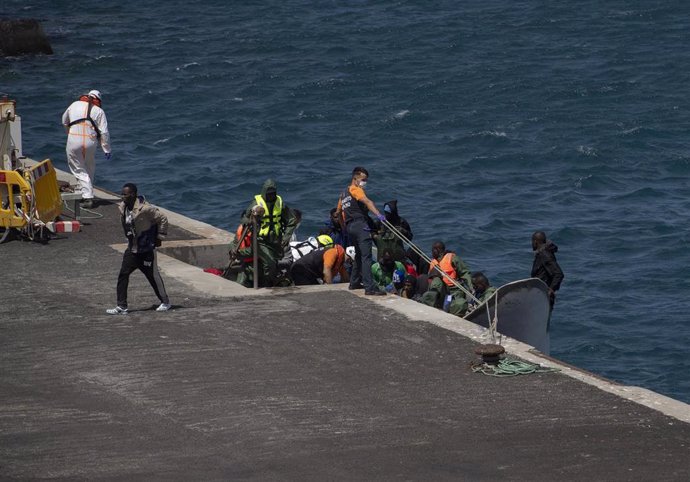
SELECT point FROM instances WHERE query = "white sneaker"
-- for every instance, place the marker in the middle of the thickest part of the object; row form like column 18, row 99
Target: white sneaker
column 164, row 307
column 118, row 310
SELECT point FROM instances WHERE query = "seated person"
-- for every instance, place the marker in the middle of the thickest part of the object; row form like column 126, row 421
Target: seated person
column 320, row 267
column 442, row 289
column 410, row 289
column 385, row 238
column 420, row 265
column 483, row 290
column 388, row 273
column 334, row 228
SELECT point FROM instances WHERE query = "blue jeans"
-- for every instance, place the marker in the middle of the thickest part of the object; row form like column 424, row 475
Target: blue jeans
column 359, row 234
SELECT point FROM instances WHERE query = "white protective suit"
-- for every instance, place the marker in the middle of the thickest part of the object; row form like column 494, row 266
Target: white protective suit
column 82, row 142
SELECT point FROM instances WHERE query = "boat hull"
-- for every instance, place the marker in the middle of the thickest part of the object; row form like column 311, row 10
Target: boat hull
column 523, row 312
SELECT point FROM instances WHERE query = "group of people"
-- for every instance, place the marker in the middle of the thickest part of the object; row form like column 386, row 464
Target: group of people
column 341, row 252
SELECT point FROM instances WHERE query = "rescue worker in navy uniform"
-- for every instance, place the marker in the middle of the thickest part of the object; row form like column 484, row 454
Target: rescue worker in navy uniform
column 442, row 292
column 355, row 206
column 276, row 223
column 86, row 127
column 145, row 226
column 545, row 267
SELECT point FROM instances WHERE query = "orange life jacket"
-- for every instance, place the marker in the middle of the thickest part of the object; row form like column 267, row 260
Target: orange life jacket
column 446, row 266
column 245, row 241
column 90, row 100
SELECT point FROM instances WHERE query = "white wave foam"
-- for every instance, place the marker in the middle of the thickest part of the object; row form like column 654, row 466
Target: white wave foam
column 578, row 183
column 587, row 151
column 491, row 134
column 402, row 114
column 190, row 64
column 161, row 141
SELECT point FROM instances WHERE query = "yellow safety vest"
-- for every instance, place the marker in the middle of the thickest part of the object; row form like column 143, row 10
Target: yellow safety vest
column 270, row 219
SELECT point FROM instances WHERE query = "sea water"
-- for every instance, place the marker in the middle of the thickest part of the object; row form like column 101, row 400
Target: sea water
column 485, row 120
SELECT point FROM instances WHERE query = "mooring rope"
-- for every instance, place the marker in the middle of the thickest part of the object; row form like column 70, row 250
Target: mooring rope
column 426, row 258
column 508, row 367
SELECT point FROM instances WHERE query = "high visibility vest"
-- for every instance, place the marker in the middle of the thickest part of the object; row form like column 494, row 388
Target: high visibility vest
column 446, row 266
column 271, row 220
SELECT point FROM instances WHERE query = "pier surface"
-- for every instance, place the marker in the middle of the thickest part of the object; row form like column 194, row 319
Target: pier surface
column 292, row 384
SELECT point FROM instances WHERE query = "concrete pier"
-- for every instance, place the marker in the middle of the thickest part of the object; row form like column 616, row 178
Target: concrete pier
column 292, row 384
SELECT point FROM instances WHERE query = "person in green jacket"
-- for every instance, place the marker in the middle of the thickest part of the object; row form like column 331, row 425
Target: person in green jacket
column 388, row 274
column 442, row 292
column 483, row 290
column 276, row 223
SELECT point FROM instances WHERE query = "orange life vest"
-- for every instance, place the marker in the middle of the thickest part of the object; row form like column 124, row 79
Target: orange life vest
column 90, row 100
column 446, row 266
column 245, row 241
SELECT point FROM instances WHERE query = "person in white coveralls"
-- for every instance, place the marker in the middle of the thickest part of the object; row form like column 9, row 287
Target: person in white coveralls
column 86, row 127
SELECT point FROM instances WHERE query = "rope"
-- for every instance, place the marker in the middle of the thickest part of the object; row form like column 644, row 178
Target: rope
column 96, row 215
column 493, row 322
column 426, row 258
column 508, row 367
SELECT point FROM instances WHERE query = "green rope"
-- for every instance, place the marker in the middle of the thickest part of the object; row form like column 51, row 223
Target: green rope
column 507, row 367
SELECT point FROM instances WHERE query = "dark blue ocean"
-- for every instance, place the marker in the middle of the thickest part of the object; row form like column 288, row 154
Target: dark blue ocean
column 485, row 120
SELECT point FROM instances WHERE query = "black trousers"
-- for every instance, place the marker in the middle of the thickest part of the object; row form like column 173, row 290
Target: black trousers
column 146, row 263
column 359, row 234
column 302, row 276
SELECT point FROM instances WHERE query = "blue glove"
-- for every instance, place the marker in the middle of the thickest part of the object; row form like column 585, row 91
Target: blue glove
column 108, row 156
column 381, row 217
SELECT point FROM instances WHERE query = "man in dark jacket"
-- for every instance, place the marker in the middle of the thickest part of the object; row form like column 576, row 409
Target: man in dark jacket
column 545, row 266
column 145, row 226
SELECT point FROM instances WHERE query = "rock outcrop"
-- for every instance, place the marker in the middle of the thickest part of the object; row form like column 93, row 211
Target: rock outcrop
column 21, row 37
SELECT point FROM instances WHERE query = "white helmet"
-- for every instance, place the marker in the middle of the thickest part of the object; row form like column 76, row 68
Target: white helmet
column 350, row 252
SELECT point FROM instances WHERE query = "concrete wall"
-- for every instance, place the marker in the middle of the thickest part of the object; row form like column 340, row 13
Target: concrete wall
column 201, row 256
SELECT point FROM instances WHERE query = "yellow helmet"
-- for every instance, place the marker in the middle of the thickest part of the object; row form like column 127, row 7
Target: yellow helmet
column 325, row 240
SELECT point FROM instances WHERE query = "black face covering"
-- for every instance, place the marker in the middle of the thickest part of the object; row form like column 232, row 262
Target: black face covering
column 271, row 196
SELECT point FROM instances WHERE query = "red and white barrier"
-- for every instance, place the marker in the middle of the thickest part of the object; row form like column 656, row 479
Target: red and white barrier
column 64, row 226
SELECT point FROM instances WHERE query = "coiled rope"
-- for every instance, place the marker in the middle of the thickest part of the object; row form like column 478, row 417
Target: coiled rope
column 509, row 367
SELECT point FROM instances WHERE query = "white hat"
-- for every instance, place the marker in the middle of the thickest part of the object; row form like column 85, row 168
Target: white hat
column 96, row 94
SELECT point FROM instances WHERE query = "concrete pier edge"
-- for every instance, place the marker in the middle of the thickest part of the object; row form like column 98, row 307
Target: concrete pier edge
column 211, row 285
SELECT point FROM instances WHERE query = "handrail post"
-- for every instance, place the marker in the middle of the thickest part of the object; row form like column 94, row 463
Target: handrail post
column 255, row 251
